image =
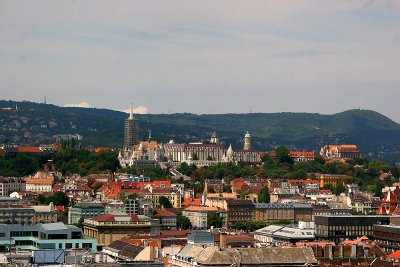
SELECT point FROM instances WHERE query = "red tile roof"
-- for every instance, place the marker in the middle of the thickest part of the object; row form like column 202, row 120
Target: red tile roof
column 29, row 149
column 47, row 181
column 189, row 201
column 165, row 213
column 395, row 254
column 104, row 218
column 99, row 149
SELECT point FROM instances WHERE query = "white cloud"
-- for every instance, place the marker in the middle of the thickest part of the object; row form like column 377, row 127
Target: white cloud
column 79, row 105
column 137, row 110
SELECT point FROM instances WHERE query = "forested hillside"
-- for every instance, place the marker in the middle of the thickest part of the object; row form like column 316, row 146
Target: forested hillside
column 33, row 123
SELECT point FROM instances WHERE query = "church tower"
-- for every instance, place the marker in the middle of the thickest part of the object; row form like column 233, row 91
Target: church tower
column 247, row 141
column 130, row 130
column 214, row 138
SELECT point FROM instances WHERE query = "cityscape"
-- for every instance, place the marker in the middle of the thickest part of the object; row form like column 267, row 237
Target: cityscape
column 199, row 133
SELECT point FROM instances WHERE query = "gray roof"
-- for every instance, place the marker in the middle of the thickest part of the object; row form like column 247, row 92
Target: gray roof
column 275, row 255
column 286, row 232
column 200, row 237
column 54, row 226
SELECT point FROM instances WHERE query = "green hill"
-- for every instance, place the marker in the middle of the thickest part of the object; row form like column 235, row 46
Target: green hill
column 376, row 135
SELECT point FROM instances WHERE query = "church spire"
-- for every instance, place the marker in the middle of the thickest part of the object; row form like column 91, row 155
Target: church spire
column 131, row 114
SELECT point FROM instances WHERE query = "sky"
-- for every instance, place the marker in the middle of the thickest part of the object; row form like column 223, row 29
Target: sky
column 203, row 56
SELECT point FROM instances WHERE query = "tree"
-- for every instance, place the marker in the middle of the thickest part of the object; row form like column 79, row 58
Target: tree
column 213, row 219
column 339, row 189
column 183, row 222
column 164, row 201
column 282, row 155
column 263, row 195
column 80, row 222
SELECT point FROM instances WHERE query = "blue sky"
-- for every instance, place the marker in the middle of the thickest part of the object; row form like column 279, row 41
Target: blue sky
column 203, row 56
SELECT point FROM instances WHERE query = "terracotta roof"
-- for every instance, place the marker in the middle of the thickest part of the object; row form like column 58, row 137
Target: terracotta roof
column 256, row 188
column 297, row 154
column 189, row 201
column 237, row 180
column 29, row 149
column 48, row 181
column 165, row 213
column 99, row 149
column 395, row 254
column 104, row 218
column 201, row 208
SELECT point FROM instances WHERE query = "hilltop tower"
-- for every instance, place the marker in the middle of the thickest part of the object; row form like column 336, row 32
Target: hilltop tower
column 247, row 141
column 130, row 130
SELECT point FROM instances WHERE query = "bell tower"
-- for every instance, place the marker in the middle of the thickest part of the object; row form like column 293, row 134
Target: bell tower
column 247, row 141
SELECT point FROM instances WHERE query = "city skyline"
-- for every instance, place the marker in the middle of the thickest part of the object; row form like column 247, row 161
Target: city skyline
column 204, row 56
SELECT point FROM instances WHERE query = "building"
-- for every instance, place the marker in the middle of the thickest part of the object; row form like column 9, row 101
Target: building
column 44, row 236
column 9, row 185
column 84, row 210
column 301, row 156
column 335, row 152
column 196, row 153
column 338, row 228
column 331, row 179
column 11, row 213
column 45, row 214
column 293, row 212
column 387, row 237
column 198, row 215
column 167, row 219
column 39, row 185
column 247, row 141
column 109, row 227
column 146, row 154
column 238, row 210
column 130, row 131
column 279, row 235
column 202, row 239
column 192, row 255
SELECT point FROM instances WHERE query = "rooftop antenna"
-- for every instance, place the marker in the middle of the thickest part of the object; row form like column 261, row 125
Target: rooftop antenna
column 45, row 100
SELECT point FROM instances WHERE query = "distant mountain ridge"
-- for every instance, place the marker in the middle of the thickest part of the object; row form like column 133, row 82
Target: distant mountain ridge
column 376, row 135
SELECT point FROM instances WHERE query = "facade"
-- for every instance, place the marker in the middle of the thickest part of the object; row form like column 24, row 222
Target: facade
column 167, row 219
column 39, row 185
column 338, row 228
column 45, row 214
column 9, row 185
column 84, row 210
column 293, row 212
column 16, row 213
column 331, row 179
column 145, row 154
column 238, row 210
column 107, row 228
column 196, row 152
column 247, row 141
column 301, row 156
column 198, row 215
column 44, row 236
column 130, row 131
column 335, row 152
column 387, row 237
column 174, row 196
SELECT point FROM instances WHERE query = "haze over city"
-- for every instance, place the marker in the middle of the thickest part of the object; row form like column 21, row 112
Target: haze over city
column 203, row 56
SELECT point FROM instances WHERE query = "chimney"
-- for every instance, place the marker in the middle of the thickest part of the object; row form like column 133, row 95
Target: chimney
column 222, row 240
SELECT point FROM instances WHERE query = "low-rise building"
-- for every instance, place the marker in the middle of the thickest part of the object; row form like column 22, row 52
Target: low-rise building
column 198, row 215
column 44, row 236
column 39, row 185
column 84, row 210
column 167, row 219
column 338, row 228
column 279, row 235
column 9, row 185
column 109, row 227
